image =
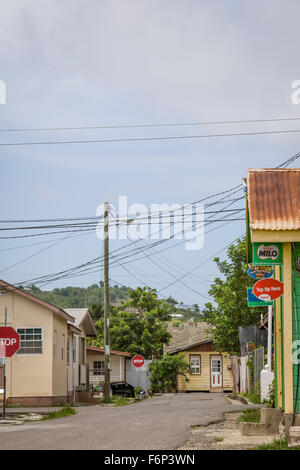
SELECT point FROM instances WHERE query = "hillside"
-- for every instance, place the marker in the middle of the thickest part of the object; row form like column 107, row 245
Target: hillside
column 78, row 297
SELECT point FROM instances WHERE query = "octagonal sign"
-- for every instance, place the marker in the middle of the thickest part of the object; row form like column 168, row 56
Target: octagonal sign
column 9, row 341
column 138, row 361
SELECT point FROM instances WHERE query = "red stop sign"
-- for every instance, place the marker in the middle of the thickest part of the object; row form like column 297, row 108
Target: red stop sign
column 9, row 341
column 138, row 361
column 268, row 289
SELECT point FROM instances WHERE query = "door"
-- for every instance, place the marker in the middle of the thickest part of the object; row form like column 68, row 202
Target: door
column 216, row 371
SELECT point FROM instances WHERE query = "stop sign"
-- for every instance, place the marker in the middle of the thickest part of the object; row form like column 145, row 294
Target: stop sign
column 138, row 361
column 9, row 341
column 268, row 289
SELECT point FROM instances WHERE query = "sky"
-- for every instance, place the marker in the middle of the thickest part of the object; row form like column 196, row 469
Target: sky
column 123, row 62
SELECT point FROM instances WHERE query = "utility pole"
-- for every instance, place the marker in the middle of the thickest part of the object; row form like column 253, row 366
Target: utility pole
column 106, row 309
column 4, row 378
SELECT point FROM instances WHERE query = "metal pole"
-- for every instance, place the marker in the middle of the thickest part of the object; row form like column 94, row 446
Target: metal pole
column 106, row 309
column 270, row 320
column 4, row 378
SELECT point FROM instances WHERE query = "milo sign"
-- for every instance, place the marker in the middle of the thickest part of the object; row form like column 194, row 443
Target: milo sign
column 267, row 253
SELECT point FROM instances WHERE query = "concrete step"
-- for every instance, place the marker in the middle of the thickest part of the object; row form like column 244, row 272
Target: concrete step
column 270, row 420
column 294, row 436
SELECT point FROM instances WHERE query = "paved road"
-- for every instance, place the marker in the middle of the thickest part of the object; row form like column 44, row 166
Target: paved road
column 154, row 424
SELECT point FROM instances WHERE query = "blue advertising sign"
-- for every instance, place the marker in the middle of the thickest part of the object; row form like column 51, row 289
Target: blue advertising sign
column 254, row 301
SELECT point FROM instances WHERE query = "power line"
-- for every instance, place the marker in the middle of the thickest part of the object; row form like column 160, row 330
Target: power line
column 133, row 126
column 197, row 267
column 70, row 272
column 146, row 139
column 289, row 161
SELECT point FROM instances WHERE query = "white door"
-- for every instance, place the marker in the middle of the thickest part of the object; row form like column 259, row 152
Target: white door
column 216, row 371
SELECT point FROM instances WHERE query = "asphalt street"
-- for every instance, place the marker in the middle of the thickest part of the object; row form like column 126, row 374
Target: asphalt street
column 162, row 422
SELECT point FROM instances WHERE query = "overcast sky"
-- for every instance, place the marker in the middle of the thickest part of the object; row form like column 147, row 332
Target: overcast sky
column 78, row 63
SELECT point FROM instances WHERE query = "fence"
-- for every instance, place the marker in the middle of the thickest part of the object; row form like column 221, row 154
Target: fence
column 138, row 377
column 258, row 364
column 250, row 368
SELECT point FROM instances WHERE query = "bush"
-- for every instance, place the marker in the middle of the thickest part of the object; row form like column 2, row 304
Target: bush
column 165, row 370
column 270, row 403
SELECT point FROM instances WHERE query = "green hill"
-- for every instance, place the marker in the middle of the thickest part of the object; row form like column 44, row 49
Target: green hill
column 79, row 297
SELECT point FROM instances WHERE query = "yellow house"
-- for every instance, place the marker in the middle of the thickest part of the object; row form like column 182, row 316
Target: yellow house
column 37, row 373
column 273, row 218
column 210, row 371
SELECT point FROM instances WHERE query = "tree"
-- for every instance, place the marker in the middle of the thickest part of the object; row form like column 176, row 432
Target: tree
column 139, row 325
column 79, row 297
column 230, row 295
column 96, row 311
column 196, row 308
column 164, row 372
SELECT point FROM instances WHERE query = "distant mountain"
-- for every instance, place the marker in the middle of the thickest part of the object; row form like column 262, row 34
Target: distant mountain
column 78, row 297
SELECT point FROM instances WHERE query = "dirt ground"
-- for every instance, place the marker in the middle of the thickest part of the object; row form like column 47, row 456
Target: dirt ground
column 224, row 435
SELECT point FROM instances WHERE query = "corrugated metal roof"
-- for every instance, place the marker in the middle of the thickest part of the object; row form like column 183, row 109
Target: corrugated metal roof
column 82, row 316
column 77, row 313
column 274, row 199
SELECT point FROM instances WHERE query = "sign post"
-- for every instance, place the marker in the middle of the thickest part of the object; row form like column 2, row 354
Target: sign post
column 9, row 345
column 138, row 361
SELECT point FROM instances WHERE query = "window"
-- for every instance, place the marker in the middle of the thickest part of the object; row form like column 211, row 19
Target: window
column 82, row 351
column 98, row 367
column 54, row 343
column 62, row 347
column 74, row 349
column 68, row 351
column 31, row 340
column 195, row 364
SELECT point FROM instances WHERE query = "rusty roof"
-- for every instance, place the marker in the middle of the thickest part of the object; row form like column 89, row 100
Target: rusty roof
column 274, row 198
column 95, row 349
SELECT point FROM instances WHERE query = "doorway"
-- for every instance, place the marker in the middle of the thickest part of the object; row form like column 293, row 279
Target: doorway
column 216, row 371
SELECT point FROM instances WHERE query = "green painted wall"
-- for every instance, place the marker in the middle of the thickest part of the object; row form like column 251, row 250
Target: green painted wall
column 282, row 343
column 296, row 318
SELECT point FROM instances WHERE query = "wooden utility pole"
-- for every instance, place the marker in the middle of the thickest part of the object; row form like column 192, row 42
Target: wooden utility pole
column 5, row 370
column 106, row 309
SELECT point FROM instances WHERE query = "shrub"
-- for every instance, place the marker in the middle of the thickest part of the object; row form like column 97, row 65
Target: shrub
column 165, row 370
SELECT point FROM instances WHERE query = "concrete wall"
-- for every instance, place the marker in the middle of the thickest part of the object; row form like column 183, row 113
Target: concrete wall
column 70, row 368
column 59, row 363
column 31, row 374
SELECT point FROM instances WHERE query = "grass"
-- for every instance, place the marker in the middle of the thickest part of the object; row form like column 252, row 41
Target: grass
column 65, row 411
column 249, row 416
column 218, row 439
column 118, row 400
column 279, row 444
column 253, row 397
